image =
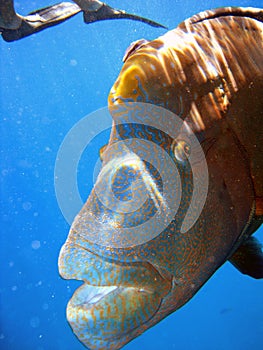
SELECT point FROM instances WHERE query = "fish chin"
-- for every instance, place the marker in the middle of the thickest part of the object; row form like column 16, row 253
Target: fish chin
column 108, row 317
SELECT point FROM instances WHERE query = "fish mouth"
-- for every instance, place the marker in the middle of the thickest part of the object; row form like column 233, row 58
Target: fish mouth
column 115, row 303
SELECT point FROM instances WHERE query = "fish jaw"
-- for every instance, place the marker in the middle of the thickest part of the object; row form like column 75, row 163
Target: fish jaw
column 109, row 317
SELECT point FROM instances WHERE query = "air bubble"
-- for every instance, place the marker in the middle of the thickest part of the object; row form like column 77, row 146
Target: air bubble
column 27, row 206
column 34, row 322
column 35, row 244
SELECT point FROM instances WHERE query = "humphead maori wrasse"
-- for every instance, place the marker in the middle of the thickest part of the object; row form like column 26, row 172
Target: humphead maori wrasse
column 208, row 73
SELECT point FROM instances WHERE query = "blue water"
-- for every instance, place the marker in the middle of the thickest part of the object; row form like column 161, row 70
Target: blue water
column 49, row 82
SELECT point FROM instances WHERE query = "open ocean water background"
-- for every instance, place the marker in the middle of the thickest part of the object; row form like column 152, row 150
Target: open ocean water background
column 50, row 81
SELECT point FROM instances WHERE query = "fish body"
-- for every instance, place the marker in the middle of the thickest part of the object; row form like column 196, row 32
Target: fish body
column 203, row 79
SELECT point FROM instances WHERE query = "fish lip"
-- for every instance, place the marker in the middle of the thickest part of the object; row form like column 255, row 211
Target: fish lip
column 145, row 273
column 89, row 299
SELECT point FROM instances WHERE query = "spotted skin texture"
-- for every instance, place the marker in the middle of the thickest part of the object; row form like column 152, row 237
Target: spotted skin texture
column 209, row 72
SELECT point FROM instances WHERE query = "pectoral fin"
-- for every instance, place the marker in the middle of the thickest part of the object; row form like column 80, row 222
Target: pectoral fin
column 248, row 258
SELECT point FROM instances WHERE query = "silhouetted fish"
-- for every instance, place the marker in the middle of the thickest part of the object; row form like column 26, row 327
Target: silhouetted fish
column 14, row 26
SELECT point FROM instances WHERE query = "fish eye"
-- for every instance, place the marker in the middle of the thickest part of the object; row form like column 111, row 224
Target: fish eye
column 181, row 149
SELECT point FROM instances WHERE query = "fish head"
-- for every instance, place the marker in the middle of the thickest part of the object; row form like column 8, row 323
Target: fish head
column 160, row 219
column 125, row 243
column 138, row 244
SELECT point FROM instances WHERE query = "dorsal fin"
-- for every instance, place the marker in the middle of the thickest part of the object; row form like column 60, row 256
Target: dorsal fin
column 250, row 12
